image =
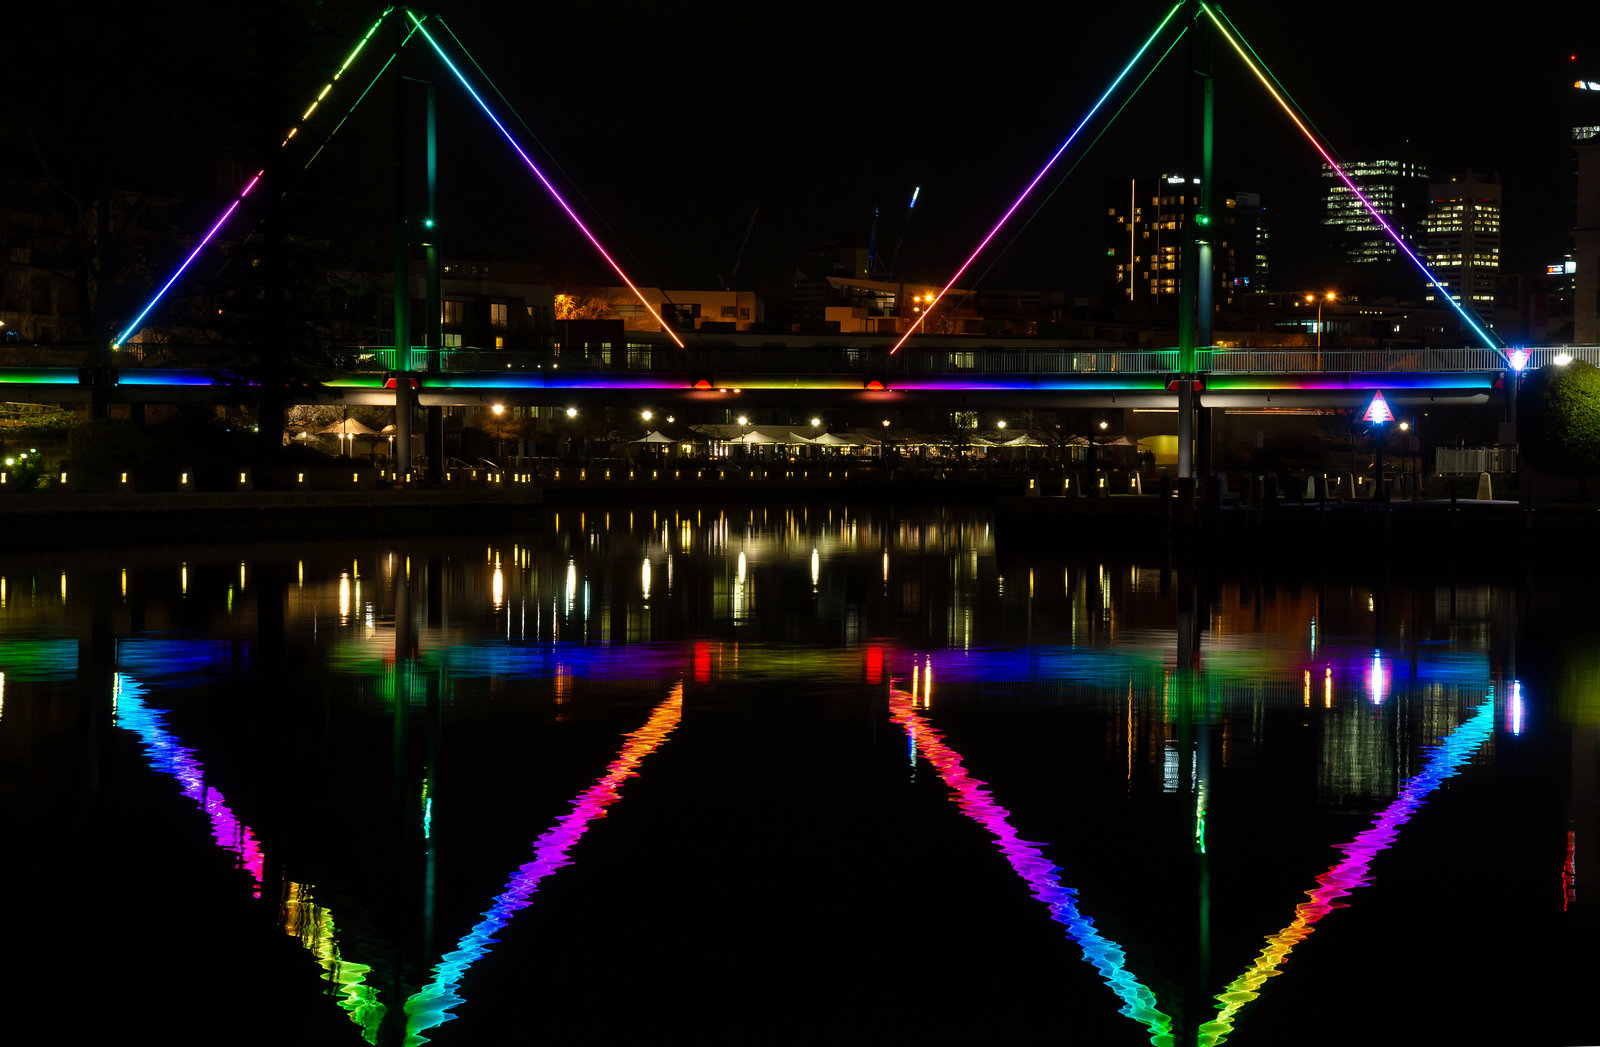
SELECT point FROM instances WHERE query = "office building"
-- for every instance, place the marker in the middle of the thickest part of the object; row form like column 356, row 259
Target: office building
column 1360, row 254
column 1147, row 227
column 1461, row 240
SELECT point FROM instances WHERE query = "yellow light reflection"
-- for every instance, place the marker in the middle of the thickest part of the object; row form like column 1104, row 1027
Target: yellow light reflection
column 1327, row 688
column 63, row 588
column 344, row 594
column 124, row 583
column 183, row 579
column 300, row 574
column 499, row 587
column 816, row 567
column 1308, row 689
column 644, row 577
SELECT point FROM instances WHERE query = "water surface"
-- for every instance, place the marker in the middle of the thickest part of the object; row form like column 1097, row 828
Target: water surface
column 781, row 775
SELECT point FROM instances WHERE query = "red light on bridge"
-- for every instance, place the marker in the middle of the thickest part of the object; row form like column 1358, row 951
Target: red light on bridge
column 1199, row 385
column 702, row 384
column 876, row 386
column 390, row 384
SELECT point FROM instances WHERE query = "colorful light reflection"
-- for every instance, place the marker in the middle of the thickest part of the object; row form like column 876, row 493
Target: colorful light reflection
column 1041, row 875
column 166, row 755
column 1345, row 876
column 431, row 1005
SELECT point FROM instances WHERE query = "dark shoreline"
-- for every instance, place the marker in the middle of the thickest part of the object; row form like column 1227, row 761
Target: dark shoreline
column 1425, row 535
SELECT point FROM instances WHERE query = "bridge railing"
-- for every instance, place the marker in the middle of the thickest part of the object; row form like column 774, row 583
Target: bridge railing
column 875, row 360
column 1339, row 361
column 864, row 359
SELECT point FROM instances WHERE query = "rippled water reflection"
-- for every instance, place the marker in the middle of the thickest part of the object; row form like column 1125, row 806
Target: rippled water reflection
column 789, row 775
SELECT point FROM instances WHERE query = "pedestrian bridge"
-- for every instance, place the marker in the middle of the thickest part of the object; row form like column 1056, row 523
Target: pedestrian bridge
column 835, row 371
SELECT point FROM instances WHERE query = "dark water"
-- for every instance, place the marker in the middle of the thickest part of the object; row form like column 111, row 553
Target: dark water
column 783, row 776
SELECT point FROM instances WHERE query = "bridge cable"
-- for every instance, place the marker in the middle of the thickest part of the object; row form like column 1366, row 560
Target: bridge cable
column 1468, row 315
column 544, row 180
column 1038, row 177
column 1066, row 175
column 322, row 144
column 1298, row 107
column 573, row 182
column 251, row 184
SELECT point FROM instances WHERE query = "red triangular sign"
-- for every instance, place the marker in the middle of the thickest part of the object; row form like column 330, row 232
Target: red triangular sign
column 1378, row 409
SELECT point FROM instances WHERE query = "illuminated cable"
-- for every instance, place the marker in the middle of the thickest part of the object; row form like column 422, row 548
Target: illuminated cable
column 1036, row 178
column 545, row 181
column 1075, row 165
column 1316, row 143
column 1298, row 107
column 293, row 131
column 123, row 337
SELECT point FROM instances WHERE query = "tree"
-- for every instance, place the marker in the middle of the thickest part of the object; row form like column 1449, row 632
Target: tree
column 1558, row 419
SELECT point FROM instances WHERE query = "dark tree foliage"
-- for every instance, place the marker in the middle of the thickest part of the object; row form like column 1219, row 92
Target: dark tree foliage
column 1558, row 419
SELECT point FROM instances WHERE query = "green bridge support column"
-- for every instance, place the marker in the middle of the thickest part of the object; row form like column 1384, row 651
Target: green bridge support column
column 403, row 400
column 1195, row 299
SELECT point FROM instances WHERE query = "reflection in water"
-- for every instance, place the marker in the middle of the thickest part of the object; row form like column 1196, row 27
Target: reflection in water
column 166, row 755
column 1028, row 859
column 1305, row 692
column 431, row 1005
column 1342, row 878
column 299, row 916
column 303, row 918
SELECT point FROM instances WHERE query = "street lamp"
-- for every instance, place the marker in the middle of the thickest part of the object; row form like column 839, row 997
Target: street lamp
column 1328, row 296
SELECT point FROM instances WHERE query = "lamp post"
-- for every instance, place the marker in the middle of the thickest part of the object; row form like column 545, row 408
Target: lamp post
column 1326, row 296
column 1094, row 458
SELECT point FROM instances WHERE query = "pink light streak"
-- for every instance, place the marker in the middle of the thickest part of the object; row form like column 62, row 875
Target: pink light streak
column 1036, row 179
column 546, row 182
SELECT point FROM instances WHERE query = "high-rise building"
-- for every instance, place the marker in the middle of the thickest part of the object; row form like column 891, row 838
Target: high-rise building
column 1252, row 242
column 1147, row 229
column 1584, row 119
column 1461, row 240
column 1364, row 258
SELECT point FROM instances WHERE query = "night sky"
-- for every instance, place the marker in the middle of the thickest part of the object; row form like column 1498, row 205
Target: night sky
column 675, row 123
